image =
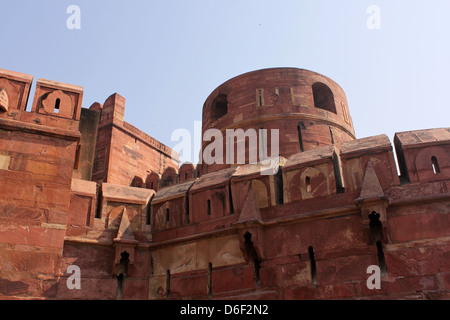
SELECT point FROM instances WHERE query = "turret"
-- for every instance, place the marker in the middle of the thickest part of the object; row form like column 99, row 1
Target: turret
column 308, row 109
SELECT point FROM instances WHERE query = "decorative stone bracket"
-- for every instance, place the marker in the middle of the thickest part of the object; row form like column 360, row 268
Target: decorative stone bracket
column 125, row 245
column 250, row 225
column 124, row 256
column 372, row 197
column 368, row 206
column 373, row 203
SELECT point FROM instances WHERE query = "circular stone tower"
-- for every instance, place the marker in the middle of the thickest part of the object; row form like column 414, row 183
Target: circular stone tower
column 309, row 110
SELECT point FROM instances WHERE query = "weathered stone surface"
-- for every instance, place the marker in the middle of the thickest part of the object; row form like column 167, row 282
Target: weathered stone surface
column 17, row 87
column 190, row 285
column 91, row 289
column 419, row 226
column 175, row 191
column 231, row 279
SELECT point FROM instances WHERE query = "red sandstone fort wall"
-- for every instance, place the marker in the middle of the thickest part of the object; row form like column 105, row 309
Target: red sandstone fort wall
column 37, row 152
column 206, row 255
column 308, row 232
column 123, row 152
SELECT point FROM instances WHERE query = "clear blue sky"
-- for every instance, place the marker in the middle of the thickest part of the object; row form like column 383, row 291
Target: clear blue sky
column 165, row 57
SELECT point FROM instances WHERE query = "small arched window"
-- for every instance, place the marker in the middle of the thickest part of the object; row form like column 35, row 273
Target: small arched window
column 167, row 215
column 219, row 107
column 57, row 105
column 308, row 184
column 435, row 165
column 323, row 97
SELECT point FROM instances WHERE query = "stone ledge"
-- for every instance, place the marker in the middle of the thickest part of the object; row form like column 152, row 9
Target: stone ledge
column 39, row 129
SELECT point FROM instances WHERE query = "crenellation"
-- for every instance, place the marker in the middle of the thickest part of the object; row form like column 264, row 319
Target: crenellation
column 355, row 156
column 16, row 90
column 423, row 155
column 57, row 99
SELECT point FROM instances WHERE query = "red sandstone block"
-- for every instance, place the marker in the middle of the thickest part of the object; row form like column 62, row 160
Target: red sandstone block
column 22, row 214
column 135, row 289
column 17, row 175
column 296, row 274
column 343, row 269
column 270, row 276
column 14, row 189
column 299, row 293
column 141, row 266
column 445, row 262
column 323, row 235
column 276, row 294
column 25, row 287
column 36, row 179
column 437, row 295
column 414, row 262
column 264, row 295
column 31, row 262
column 32, row 236
column 94, row 261
column 59, row 196
column 363, row 291
column 80, row 208
column 446, row 280
column 49, row 288
column 236, row 278
column 335, row 291
column 188, row 285
column 276, row 243
column 404, row 286
column 91, row 288
column 36, row 194
column 419, row 226
column 39, row 167
column 64, row 173
column 76, row 231
column 37, row 146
